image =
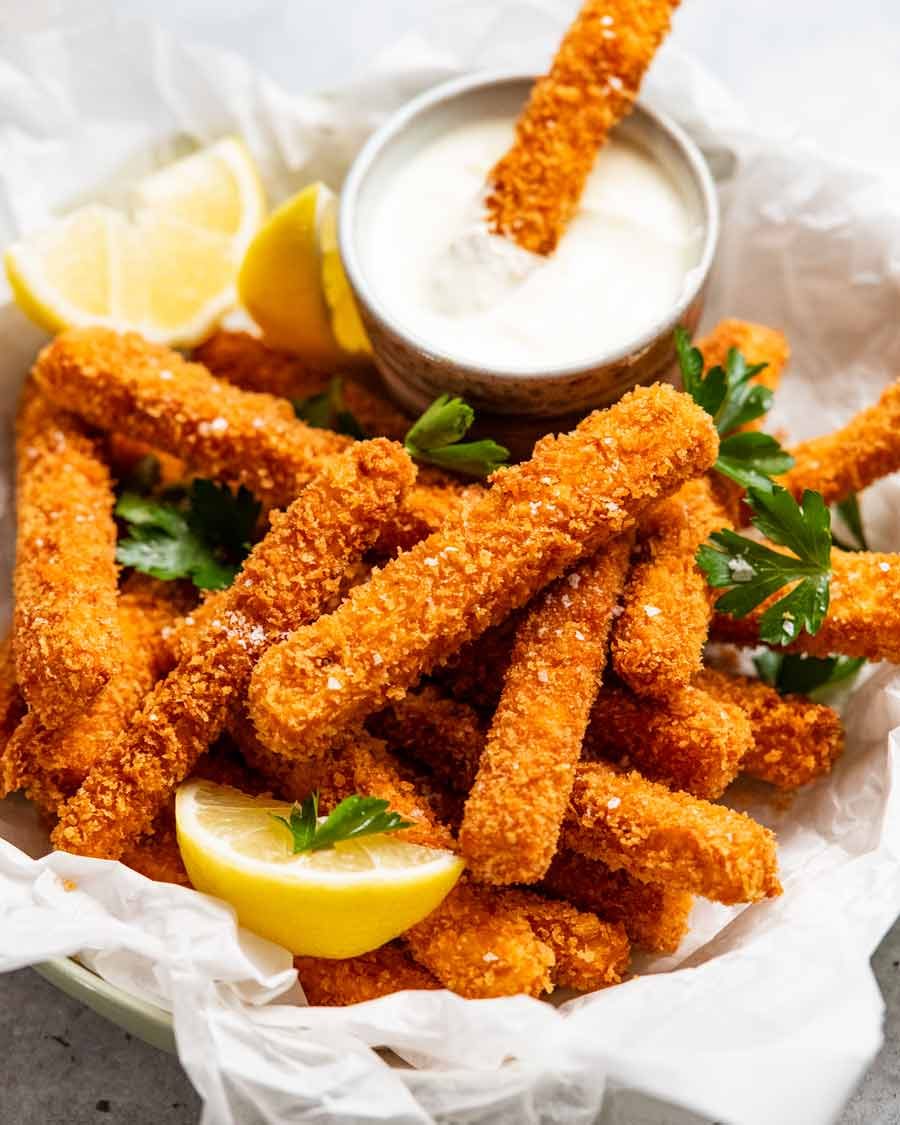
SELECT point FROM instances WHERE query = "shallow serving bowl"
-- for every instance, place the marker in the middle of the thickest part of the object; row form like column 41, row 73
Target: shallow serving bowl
column 414, row 371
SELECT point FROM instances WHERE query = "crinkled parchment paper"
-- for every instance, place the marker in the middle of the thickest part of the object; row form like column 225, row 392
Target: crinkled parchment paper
column 769, row 1014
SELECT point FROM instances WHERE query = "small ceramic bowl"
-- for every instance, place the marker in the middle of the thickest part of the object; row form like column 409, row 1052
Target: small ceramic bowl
column 415, row 372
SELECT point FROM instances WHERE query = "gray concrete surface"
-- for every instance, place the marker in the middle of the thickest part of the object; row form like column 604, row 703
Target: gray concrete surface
column 60, row 1064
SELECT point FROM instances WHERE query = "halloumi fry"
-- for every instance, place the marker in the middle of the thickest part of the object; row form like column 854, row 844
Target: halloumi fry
column 794, row 739
column 661, row 836
column 533, row 190
column 517, row 804
column 853, row 457
column 65, row 633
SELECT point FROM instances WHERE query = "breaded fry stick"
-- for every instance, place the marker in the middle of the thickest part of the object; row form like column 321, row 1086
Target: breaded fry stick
column 853, row 457
column 479, row 947
column 578, row 492
column 655, row 916
column 251, row 364
column 51, row 764
column 691, row 741
column 590, row 954
column 127, row 383
column 794, row 739
column 354, row 980
column 444, row 734
column 657, row 642
column 66, row 637
column 286, row 578
column 533, row 191
column 863, row 617
column 667, row 837
column 517, row 804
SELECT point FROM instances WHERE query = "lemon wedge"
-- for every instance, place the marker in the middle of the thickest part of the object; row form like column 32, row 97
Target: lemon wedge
column 338, row 902
column 168, row 271
column 293, row 284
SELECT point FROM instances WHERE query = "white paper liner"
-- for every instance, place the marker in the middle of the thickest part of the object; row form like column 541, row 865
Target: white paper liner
column 772, row 1014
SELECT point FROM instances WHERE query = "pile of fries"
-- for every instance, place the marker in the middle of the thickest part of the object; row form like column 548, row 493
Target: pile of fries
column 517, row 666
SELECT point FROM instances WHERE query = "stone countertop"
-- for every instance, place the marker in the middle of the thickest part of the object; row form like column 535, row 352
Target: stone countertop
column 828, row 69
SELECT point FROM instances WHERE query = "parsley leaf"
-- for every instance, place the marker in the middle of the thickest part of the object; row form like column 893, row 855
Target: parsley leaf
column 328, row 411
column 752, row 459
column 435, row 438
column 751, row 571
column 850, row 515
column 205, row 536
column 354, row 817
column 798, row 674
column 731, row 399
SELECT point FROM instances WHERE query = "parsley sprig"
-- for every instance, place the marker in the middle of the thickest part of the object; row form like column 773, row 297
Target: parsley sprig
column 799, row 674
column 751, row 572
column 732, row 399
column 328, row 411
column 202, row 534
column 354, row 817
column 437, row 439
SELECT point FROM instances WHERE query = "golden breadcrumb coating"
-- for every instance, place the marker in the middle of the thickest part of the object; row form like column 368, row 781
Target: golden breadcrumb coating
column 354, row 980
column 863, row 617
column 66, row 637
column 125, row 383
column 794, row 739
column 657, row 642
column 853, row 457
column 667, row 837
column 533, row 191
column 253, row 365
column 654, row 916
column 517, row 804
column 691, row 740
column 50, row 764
column 479, row 946
column 444, row 734
column 578, row 492
column 284, row 581
column 589, row 953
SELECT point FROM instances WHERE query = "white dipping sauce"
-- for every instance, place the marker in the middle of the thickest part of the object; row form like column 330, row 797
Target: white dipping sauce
column 619, row 268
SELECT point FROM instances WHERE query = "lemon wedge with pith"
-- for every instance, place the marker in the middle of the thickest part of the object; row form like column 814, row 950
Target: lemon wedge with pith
column 292, row 281
column 338, row 902
column 168, row 270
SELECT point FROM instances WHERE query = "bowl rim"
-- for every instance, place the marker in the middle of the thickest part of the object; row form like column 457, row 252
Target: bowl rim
column 467, row 83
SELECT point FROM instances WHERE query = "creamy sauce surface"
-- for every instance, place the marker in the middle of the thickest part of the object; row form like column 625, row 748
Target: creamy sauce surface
column 621, row 265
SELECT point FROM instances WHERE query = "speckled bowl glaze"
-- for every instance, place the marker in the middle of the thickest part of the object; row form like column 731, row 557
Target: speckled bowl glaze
column 415, row 372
